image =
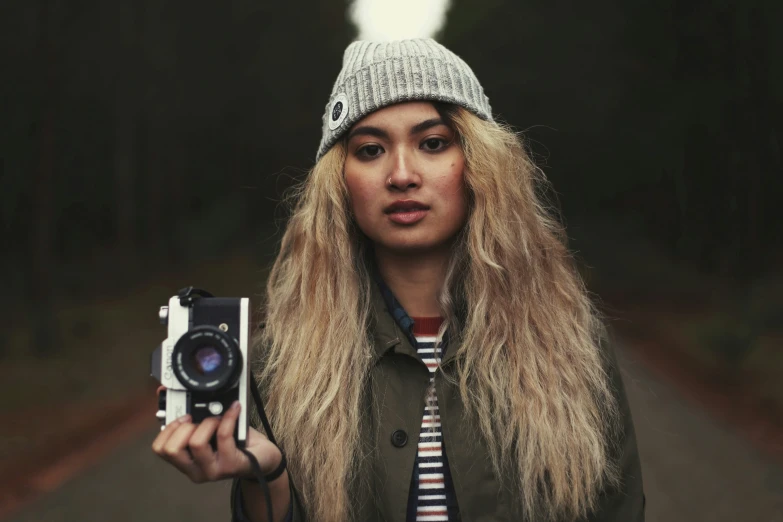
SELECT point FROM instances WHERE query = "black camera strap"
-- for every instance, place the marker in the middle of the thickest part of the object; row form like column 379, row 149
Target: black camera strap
column 264, row 480
column 187, row 296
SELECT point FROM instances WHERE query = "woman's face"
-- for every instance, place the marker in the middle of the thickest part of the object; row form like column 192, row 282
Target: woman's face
column 404, row 172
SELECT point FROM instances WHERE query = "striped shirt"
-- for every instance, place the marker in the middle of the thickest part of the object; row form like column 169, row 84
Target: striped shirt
column 417, row 489
column 431, row 502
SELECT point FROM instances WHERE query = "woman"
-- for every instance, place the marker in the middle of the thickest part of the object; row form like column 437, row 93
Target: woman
column 430, row 352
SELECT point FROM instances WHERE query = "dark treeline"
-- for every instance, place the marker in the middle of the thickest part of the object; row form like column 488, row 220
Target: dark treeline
column 664, row 112
column 144, row 130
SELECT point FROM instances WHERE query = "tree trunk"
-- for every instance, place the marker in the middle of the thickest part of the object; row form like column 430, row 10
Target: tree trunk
column 41, row 303
column 125, row 125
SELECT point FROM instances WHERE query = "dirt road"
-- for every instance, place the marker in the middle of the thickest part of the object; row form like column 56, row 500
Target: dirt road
column 694, row 470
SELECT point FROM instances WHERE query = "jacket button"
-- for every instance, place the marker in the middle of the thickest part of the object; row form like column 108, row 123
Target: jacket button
column 399, row 438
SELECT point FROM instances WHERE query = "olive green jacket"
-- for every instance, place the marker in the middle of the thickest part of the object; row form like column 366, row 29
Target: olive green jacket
column 399, row 382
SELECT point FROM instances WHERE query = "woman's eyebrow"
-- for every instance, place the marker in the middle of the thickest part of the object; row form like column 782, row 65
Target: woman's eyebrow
column 426, row 124
column 366, row 130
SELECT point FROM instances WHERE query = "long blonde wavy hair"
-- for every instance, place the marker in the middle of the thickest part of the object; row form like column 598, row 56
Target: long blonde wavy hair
column 529, row 368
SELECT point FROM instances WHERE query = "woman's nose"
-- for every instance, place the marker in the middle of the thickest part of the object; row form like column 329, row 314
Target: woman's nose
column 403, row 173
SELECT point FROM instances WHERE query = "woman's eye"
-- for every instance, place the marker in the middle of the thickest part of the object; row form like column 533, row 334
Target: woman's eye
column 370, row 151
column 433, row 144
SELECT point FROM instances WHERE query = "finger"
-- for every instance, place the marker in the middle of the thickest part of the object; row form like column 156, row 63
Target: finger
column 176, row 447
column 225, row 432
column 228, row 455
column 160, row 389
column 202, row 452
column 177, row 453
column 165, row 434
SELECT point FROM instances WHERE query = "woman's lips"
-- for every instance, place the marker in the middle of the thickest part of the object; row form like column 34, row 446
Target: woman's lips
column 407, row 217
column 406, row 211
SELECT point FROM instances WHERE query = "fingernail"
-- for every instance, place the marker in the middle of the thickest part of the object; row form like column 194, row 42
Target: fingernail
column 235, row 405
column 184, row 418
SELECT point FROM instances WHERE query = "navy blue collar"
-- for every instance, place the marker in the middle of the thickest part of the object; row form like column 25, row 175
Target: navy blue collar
column 396, row 310
column 401, row 317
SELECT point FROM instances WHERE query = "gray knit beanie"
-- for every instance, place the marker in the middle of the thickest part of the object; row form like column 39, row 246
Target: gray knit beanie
column 378, row 74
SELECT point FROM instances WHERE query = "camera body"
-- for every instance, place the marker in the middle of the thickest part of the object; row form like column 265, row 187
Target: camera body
column 203, row 361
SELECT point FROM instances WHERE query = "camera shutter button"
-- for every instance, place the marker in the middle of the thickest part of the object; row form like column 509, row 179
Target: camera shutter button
column 215, row 408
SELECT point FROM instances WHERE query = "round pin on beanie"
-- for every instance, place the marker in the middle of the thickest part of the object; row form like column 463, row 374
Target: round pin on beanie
column 378, row 74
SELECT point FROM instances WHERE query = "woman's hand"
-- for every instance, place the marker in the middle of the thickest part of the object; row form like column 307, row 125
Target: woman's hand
column 186, row 446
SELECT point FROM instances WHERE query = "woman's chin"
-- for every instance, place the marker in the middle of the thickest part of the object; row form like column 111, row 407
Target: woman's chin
column 411, row 246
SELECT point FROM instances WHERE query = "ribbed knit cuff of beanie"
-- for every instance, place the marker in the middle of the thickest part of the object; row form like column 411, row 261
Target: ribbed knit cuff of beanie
column 379, row 74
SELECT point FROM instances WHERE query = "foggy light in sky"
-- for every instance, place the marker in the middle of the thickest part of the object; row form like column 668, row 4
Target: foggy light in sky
column 398, row 19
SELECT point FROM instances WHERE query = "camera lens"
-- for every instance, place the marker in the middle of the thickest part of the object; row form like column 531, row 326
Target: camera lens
column 207, row 359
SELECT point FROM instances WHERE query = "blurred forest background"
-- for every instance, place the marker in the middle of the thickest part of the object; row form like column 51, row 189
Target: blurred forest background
column 146, row 145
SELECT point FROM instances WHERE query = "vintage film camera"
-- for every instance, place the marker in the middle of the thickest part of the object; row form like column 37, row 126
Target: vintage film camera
column 203, row 361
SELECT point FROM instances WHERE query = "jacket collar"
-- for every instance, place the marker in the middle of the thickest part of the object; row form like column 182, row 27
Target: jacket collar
column 387, row 332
